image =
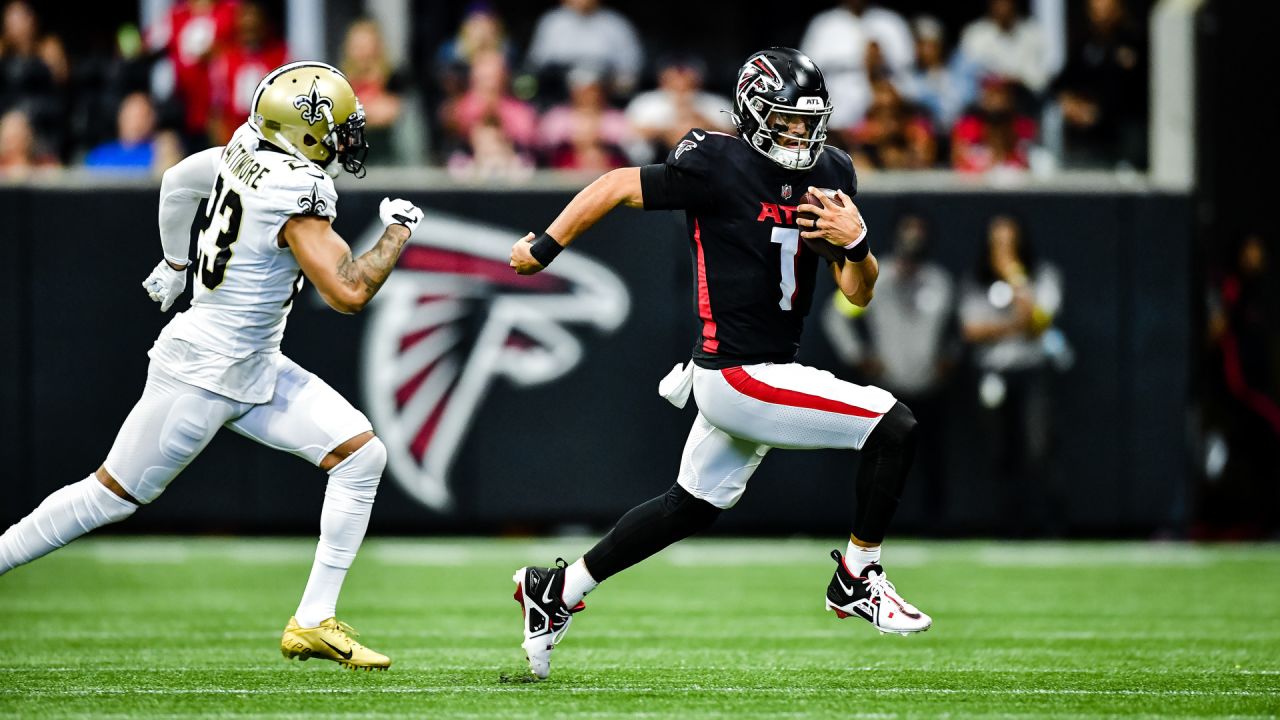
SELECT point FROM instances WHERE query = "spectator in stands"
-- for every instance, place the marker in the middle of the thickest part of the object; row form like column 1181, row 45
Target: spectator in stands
column 836, row 40
column 489, row 155
column 1102, row 91
column 481, row 31
column 586, row 120
column 1241, row 498
column 488, row 98
column 167, row 151
column 582, row 33
column 378, row 85
column 134, row 148
column 907, row 343
column 103, row 78
column 18, row 153
column 1004, row 43
column 236, row 70
column 993, row 136
column 893, row 135
column 944, row 89
column 1006, row 312
column 662, row 116
column 587, row 150
column 191, row 33
column 33, row 75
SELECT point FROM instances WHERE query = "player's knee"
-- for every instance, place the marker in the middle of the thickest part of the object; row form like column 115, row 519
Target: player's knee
column 376, row 461
column 361, row 471
column 114, row 485
column 896, row 429
column 691, row 513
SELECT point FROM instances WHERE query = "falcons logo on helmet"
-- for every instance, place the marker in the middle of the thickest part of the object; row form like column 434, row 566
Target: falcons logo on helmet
column 454, row 318
column 759, row 75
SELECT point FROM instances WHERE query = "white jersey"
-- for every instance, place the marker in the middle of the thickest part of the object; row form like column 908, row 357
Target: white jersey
column 244, row 281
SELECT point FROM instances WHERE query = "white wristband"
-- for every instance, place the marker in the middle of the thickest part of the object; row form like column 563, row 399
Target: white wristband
column 861, row 236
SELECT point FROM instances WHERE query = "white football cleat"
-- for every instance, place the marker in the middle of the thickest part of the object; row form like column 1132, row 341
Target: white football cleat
column 873, row 598
column 540, row 592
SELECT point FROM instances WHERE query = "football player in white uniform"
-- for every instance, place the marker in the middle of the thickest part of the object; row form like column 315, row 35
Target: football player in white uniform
column 267, row 224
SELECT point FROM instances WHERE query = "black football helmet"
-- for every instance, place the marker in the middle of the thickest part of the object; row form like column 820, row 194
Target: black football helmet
column 776, row 87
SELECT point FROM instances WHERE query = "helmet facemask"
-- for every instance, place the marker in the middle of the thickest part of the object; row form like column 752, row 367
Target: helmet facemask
column 347, row 142
column 773, row 135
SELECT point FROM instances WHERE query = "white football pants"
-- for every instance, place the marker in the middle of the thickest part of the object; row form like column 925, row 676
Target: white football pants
column 745, row 411
column 174, row 421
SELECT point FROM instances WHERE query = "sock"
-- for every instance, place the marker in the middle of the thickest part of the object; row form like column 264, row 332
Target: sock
column 858, row 557
column 577, row 582
column 64, row 516
column 348, row 501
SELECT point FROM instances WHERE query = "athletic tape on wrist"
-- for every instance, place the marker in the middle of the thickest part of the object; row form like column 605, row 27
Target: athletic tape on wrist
column 545, row 249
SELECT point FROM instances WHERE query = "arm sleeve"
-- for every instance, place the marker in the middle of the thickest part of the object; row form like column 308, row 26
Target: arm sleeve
column 682, row 182
column 183, row 187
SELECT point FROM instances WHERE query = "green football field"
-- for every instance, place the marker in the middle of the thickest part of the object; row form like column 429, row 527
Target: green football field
column 736, row 629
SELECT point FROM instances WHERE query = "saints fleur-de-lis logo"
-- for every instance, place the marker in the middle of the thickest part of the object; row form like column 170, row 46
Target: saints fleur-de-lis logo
column 312, row 103
column 313, row 204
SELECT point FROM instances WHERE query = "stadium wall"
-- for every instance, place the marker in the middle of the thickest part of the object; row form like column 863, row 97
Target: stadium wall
column 558, row 424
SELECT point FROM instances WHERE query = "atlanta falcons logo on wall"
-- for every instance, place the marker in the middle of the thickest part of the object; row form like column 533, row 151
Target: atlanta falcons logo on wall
column 451, row 320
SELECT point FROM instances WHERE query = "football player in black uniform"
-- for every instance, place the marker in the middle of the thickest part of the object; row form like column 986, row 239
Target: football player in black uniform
column 755, row 271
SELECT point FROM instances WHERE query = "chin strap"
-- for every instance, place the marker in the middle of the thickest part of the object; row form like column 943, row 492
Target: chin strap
column 283, row 143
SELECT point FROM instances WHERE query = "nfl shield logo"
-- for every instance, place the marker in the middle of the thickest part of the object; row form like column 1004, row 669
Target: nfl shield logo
column 786, row 192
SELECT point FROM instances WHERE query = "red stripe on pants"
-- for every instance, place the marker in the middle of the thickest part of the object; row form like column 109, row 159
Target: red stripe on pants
column 741, row 381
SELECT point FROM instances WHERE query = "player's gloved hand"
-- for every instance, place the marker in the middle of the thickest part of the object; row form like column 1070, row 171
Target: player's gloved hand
column 399, row 212
column 165, row 284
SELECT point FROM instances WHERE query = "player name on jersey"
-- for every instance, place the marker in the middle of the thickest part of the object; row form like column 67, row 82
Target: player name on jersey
column 242, row 166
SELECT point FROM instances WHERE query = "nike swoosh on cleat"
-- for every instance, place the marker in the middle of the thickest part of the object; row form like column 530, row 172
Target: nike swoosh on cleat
column 345, row 655
column 847, row 589
column 546, row 596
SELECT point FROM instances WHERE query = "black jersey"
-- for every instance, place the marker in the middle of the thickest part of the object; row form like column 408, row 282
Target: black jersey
column 754, row 278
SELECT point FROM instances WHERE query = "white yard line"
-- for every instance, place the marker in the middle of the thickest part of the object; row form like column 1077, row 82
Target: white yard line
column 516, row 687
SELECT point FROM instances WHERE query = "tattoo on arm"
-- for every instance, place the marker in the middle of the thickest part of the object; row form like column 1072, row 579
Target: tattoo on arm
column 368, row 272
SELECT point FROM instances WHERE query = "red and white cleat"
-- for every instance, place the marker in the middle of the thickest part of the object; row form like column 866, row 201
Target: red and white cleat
column 873, row 598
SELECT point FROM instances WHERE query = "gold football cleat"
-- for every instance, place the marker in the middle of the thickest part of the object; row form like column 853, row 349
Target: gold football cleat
column 330, row 640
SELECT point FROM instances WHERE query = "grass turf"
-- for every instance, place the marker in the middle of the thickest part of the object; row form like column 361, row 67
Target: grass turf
column 190, row 627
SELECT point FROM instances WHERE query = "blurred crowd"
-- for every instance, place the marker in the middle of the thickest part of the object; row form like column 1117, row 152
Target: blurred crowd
column 581, row 93
column 992, row 333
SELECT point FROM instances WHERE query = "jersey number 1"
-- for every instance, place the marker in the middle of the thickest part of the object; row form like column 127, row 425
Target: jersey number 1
column 218, row 232
column 789, row 241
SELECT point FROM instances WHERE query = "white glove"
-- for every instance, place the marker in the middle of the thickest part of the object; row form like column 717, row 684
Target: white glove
column 165, row 284
column 399, row 212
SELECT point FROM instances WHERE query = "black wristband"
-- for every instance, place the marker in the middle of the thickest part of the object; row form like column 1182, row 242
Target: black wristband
column 858, row 252
column 545, row 249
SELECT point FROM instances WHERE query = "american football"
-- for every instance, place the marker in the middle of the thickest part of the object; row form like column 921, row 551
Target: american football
column 820, row 247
